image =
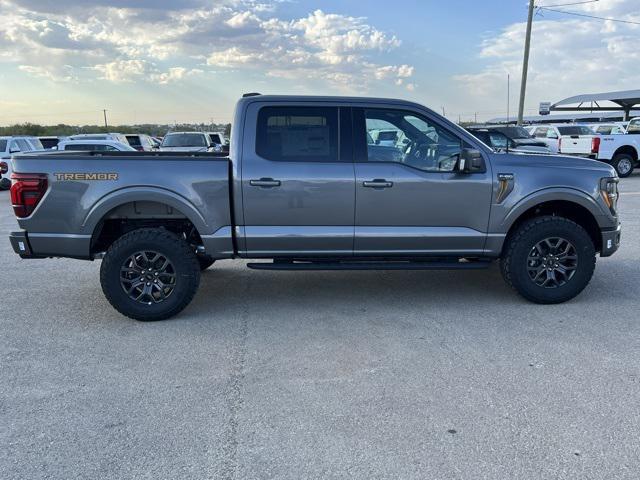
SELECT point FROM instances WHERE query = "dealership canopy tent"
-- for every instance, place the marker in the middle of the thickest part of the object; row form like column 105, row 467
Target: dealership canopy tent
column 623, row 101
column 595, row 117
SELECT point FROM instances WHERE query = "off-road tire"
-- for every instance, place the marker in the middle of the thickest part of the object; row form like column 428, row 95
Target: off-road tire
column 619, row 161
column 205, row 261
column 175, row 249
column 515, row 256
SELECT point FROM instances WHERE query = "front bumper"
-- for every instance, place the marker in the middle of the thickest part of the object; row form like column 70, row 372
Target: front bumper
column 610, row 241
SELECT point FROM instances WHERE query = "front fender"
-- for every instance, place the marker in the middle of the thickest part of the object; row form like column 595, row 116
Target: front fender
column 511, row 213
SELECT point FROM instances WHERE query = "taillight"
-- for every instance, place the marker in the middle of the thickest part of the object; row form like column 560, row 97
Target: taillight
column 4, row 167
column 595, row 144
column 27, row 189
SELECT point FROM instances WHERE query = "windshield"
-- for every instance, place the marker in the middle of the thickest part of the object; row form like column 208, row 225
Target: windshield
column 184, row 140
column 514, row 132
column 575, row 130
column 3, row 145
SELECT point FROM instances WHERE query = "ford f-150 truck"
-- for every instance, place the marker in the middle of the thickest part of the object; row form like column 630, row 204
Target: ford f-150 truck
column 622, row 151
column 305, row 187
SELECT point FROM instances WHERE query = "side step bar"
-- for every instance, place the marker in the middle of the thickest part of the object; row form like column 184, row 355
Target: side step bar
column 385, row 265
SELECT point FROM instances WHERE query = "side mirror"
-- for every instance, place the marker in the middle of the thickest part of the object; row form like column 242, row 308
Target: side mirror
column 471, row 161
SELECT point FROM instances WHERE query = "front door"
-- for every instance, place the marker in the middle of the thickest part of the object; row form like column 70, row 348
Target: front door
column 298, row 181
column 410, row 200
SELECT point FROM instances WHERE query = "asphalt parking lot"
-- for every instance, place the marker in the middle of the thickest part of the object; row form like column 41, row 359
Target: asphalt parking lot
column 297, row 375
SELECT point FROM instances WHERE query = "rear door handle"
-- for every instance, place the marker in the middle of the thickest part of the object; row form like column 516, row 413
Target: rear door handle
column 265, row 183
column 377, row 183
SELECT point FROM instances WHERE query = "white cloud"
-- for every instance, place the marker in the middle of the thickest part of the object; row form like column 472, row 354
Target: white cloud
column 569, row 55
column 120, row 71
column 126, row 40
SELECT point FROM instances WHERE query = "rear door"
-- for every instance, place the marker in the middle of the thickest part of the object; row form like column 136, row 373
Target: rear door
column 410, row 201
column 297, row 181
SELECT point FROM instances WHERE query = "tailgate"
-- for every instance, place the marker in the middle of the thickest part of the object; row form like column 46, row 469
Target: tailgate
column 576, row 144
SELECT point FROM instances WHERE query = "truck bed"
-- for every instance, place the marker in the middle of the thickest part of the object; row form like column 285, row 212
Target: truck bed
column 83, row 188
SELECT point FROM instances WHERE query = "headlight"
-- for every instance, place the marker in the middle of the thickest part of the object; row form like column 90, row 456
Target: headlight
column 609, row 193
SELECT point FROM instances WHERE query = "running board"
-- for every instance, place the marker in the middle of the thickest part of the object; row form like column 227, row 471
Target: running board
column 388, row 265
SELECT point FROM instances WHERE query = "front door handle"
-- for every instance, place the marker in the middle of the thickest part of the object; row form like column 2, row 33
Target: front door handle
column 377, row 183
column 265, row 183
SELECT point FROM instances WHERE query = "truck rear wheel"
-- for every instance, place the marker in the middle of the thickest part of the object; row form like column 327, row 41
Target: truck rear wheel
column 149, row 274
column 549, row 260
column 623, row 163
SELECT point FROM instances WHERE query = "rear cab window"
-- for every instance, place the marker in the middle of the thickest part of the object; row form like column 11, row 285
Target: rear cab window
column 134, row 140
column 575, row 130
column 184, row 140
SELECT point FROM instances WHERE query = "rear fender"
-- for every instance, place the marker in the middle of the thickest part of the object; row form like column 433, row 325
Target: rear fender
column 144, row 194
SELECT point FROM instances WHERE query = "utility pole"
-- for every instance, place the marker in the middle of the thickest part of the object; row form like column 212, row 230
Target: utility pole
column 443, row 112
column 508, row 95
column 104, row 111
column 525, row 62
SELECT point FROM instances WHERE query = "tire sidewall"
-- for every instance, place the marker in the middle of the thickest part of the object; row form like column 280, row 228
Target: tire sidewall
column 186, row 280
column 586, row 262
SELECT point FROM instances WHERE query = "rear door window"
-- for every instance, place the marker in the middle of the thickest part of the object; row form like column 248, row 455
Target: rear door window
column 298, row 134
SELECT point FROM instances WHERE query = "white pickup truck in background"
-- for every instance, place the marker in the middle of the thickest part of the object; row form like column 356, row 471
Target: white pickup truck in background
column 568, row 139
column 621, row 151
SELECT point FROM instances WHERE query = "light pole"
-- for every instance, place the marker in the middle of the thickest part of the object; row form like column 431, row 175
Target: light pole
column 525, row 62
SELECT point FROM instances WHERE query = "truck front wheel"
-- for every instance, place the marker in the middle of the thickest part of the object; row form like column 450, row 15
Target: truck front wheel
column 549, row 260
column 149, row 274
column 205, row 261
column 623, row 163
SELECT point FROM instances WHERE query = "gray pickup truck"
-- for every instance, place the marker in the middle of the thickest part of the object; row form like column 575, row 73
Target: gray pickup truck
column 307, row 187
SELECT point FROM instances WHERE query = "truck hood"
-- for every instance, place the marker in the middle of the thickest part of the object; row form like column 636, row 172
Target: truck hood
column 555, row 162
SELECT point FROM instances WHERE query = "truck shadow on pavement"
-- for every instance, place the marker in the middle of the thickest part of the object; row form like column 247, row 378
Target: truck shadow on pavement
column 227, row 288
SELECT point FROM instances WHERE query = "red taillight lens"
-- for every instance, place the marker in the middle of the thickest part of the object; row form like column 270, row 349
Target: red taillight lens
column 4, row 167
column 27, row 189
column 595, row 144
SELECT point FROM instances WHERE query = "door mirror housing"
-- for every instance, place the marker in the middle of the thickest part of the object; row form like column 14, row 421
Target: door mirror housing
column 471, row 161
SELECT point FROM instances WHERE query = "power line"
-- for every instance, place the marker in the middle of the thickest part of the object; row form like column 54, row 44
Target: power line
column 589, row 16
column 568, row 4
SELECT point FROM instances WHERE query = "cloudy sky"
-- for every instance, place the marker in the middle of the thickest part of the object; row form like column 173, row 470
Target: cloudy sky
column 189, row 60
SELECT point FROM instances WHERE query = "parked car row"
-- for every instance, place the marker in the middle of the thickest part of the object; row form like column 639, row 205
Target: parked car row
column 615, row 143
column 11, row 146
